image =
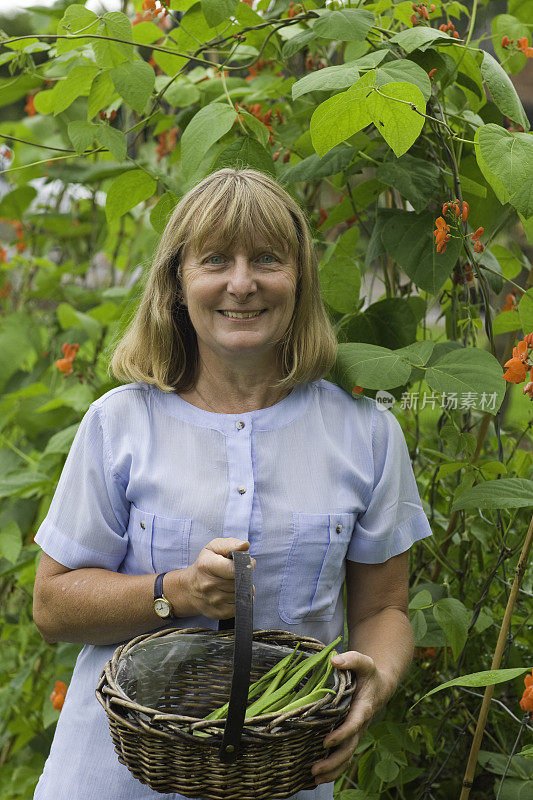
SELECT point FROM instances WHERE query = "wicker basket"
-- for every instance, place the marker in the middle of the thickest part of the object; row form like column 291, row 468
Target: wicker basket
column 268, row 756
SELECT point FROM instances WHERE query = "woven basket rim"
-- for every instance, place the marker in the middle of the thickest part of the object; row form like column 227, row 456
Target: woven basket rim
column 160, row 723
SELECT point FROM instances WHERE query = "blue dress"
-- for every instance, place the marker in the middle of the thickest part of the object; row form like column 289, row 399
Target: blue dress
column 318, row 478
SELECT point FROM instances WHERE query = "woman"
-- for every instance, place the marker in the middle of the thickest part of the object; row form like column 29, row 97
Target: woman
column 227, row 437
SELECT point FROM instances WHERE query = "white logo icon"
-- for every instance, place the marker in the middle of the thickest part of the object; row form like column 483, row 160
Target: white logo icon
column 384, row 400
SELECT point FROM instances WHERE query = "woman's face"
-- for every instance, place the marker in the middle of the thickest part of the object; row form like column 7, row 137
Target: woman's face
column 231, row 279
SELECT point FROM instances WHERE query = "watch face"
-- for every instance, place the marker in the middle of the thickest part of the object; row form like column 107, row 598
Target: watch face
column 162, row 607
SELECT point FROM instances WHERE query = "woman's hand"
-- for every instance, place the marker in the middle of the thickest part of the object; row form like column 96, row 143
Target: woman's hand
column 372, row 693
column 211, row 579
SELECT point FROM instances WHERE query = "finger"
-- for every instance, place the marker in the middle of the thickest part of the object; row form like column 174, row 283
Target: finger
column 360, row 715
column 330, row 768
column 362, row 664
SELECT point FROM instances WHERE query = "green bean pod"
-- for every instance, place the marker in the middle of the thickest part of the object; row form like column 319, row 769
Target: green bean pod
column 260, row 706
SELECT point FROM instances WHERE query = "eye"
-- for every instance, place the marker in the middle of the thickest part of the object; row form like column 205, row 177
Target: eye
column 209, row 258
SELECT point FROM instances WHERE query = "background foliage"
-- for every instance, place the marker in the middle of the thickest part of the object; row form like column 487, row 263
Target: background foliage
column 373, row 115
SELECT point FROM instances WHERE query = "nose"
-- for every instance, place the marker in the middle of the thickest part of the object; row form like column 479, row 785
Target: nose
column 241, row 279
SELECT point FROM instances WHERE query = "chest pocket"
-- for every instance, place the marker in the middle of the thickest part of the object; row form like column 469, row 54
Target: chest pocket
column 315, row 566
column 159, row 544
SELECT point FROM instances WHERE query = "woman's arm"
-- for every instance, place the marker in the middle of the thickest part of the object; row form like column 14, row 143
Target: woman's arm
column 99, row 606
column 380, row 651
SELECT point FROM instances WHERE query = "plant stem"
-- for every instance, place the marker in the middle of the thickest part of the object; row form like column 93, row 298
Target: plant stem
column 496, row 661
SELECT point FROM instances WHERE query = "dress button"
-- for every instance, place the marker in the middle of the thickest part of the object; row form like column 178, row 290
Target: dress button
column 241, row 490
column 143, row 526
column 338, row 528
column 239, row 424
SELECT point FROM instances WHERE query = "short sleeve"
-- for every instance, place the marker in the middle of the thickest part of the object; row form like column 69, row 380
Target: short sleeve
column 86, row 524
column 394, row 518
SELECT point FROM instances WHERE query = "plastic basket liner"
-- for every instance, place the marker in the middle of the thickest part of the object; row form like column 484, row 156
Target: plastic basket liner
column 173, row 674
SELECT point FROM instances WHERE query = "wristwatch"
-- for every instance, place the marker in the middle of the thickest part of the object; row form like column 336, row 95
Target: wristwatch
column 162, row 605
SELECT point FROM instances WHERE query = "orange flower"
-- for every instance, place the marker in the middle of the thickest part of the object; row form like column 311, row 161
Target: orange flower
column 441, row 234
column 505, row 42
column 3, row 254
column 432, row 72
column 526, row 703
column 5, row 290
column 65, row 364
column 523, row 45
column 357, row 390
column 29, row 108
column 509, row 303
column 518, row 365
column 58, row 695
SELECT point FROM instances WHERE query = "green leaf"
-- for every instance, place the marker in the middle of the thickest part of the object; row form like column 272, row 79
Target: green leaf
column 489, row 677
column 204, row 129
column 61, row 442
column 297, row 43
column 101, row 94
column 74, row 19
column 505, row 322
column 390, row 323
column 10, row 542
column 14, row 203
column 113, row 139
column 403, row 71
column 326, row 79
column 418, row 353
column 509, row 157
column 390, row 108
column 216, row 11
column 474, row 374
column 525, row 310
column 509, row 264
column 313, row 167
column 127, row 191
column 77, row 83
column 161, row 212
column 180, row 93
column 408, row 239
column 79, row 397
column 387, row 770
column 422, row 599
column 502, row 90
column 344, row 25
column 109, row 53
column 134, row 83
column 342, row 115
column 81, row 134
column 454, row 620
column 499, row 493
column 416, row 179
column 23, row 483
column 245, row 152
column 369, row 366
column 146, row 33
column 340, row 282
column 418, row 38
column 70, row 317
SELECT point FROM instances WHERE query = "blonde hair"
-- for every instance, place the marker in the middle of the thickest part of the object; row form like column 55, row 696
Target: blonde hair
column 160, row 347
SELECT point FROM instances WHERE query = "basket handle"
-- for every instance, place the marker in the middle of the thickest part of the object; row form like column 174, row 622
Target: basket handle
column 242, row 655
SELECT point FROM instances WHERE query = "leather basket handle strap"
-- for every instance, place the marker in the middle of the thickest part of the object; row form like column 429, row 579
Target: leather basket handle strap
column 242, row 655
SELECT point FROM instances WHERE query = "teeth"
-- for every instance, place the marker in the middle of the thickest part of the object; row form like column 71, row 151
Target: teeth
column 240, row 316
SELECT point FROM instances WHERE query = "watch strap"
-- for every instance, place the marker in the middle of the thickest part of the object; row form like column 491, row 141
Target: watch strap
column 158, row 586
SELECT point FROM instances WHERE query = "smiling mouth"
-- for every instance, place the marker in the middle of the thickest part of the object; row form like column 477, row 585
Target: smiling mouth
column 241, row 315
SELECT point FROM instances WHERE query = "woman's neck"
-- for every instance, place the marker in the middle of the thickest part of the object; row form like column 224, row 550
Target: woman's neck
column 233, row 398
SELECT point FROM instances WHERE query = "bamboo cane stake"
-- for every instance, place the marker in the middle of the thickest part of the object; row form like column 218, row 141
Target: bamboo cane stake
column 496, row 661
